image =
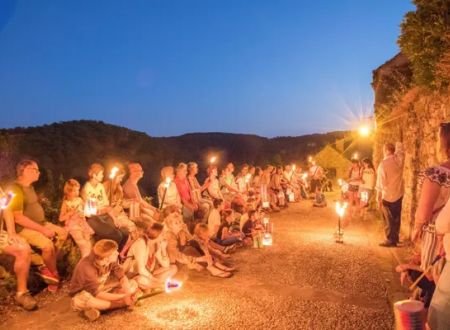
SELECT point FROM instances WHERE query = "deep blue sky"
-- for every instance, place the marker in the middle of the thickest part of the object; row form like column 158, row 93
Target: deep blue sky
column 168, row 67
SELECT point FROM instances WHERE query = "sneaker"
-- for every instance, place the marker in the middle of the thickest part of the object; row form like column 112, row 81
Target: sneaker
column 26, row 301
column 48, row 276
column 91, row 314
column 52, row 288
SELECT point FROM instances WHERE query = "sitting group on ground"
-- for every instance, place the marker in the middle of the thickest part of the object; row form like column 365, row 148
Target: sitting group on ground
column 122, row 236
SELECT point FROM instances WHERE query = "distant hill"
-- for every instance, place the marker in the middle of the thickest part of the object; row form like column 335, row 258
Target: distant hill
column 66, row 149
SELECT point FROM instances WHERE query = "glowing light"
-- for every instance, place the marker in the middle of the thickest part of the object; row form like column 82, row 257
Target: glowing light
column 364, row 196
column 266, row 205
column 90, row 208
column 310, row 159
column 267, row 239
column 6, row 199
column 294, row 167
column 364, row 130
column 305, row 176
column 265, row 221
column 212, row 160
column 340, row 208
column 167, row 184
column 113, row 173
column 340, row 182
column 247, row 178
column 355, row 155
column 172, row 285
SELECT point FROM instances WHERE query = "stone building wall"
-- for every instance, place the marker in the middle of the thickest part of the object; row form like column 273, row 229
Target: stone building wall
column 412, row 116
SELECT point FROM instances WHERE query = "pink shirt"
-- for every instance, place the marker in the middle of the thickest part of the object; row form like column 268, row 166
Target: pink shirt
column 183, row 189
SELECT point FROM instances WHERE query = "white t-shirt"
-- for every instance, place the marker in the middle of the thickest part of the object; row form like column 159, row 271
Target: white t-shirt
column 213, row 222
column 98, row 193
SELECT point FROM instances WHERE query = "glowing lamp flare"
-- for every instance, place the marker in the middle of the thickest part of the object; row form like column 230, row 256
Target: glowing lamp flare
column 113, row 173
column 364, row 130
column 294, row 167
column 265, row 205
column 355, row 155
column 247, row 178
column 212, row 160
column 6, row 199
column 340, row 208
column 310, row 159
column 172, row 285
column 340, row 182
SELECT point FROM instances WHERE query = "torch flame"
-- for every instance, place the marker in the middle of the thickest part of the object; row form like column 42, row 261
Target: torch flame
column 212, row 160
column 113, row 173
column 340, row 208
column 168, row 181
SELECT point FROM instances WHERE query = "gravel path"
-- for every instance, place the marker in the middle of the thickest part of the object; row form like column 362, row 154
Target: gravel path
column 304, row 281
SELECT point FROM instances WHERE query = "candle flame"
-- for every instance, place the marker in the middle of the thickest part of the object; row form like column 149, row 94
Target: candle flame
column 168, row 181
column 212, row 160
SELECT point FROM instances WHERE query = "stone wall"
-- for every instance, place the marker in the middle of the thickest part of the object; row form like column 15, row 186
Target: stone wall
column 411, row 115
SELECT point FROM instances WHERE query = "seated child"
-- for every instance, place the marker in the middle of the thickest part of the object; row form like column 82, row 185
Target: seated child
column 72, row 214
column 88, row 287
column 411, row 271
column 174, row 233
column 252, row 226
column 225, row 235
column 198, row 246
column 147, row 260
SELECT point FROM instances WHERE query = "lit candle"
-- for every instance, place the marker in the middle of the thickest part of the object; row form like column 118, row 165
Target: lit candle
column 212, row 160
column 112, row 175
column 355, row 156
column 172, row 285
column 166, row 186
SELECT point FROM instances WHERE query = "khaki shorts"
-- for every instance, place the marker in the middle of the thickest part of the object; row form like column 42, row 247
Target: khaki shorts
column 39, row 240
column 80, row 301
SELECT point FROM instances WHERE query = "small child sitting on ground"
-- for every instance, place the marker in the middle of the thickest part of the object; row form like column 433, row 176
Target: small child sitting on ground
column 319, row 198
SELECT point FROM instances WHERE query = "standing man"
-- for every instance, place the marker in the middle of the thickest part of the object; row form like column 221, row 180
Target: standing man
column 390, row 191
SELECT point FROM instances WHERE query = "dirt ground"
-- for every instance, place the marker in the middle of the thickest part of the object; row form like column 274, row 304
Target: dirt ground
column 304, row 281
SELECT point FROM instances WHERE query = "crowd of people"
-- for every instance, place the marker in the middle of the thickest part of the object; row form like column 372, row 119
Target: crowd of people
column 121, row 235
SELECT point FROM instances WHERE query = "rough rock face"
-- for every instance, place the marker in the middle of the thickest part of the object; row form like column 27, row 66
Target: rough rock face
column 411, row 115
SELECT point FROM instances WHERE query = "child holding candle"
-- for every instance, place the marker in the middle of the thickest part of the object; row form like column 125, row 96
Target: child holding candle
column 72, row 214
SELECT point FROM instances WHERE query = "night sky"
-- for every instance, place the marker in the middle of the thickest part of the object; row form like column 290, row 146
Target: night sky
column 168, row 67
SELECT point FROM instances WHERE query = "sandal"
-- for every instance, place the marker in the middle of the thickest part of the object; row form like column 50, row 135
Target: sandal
column 224, row 268
column 216, row 272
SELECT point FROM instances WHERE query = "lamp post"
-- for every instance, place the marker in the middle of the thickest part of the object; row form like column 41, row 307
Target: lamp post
column 166, row 186
column 340, row 210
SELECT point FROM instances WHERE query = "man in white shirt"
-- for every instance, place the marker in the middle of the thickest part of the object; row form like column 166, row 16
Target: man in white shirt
column 390, row 191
